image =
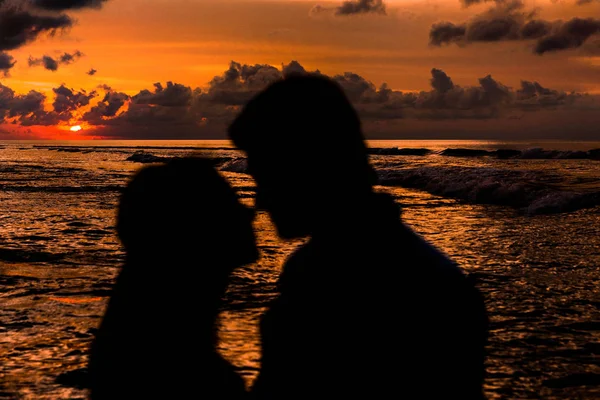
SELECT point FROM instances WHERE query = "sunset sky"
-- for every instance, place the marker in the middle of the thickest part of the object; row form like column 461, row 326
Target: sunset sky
column 106, row 65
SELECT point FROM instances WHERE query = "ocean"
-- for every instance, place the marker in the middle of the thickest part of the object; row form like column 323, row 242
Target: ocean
column 523, row 218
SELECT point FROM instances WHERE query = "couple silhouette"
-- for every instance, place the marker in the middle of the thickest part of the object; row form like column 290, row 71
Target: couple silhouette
column 365, row 309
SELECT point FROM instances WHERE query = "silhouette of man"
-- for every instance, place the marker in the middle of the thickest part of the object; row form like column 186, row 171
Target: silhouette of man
column 184, row 232
column 366, row 309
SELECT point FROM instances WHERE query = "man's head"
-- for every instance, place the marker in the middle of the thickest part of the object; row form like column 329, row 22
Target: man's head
column 305, row 150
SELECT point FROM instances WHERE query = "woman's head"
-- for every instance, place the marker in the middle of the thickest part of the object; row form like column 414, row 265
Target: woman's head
column 185, row 212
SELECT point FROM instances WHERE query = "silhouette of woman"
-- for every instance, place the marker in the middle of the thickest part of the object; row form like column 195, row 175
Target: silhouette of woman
column 184, row 232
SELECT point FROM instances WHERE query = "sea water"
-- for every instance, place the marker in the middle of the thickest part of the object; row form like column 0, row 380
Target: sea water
column 523, row 218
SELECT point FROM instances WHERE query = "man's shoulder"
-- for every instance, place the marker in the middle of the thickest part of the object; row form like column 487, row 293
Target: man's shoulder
column 423, row 254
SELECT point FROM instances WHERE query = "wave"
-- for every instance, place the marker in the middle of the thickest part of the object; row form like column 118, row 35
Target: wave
column 146, row 158
column 22, row 256
column 532, row 153
column 531, row 192
column 149, row 158
column 395, row 151
column 61, row 189
column 239, row 165
column 528, row 154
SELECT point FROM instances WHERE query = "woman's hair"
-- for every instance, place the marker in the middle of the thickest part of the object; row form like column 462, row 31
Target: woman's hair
column 183, row 206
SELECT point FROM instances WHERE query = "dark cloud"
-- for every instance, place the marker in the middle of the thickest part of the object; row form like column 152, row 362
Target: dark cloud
column 174, row 95
column 447, row 100
column 353, row 7
column 70, row 58
column 46, row 61
column 509, row 21
column 19, row 26
column 92, row 72
column 174, row 110
column 361, row 7
column 535, row 29
column 67, row 100
column 568, row 35
column 468, row 3
column 491, row 99
column 52, row 64
column 355, row 86
column 211, row 110
column 292, row 68
column 6, row 63
column 32, row 102
column 533, row 89
column 591, row 47
column 501, row 27
column 446, row 32
column 63, row 5
column 501, row 22
column 440, row 81
column 108, row 107
column 241, row 82
column 318, row 9
column 26, row 110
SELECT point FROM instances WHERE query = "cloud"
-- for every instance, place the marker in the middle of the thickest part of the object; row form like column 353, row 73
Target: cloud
column 318, row 9
column 32, row 102
column 353, row 7
column 468, row 3
column 68, row 58
column 22, row 22
column 174, row 95
column 46, row 61
column 19, row 27
column 446, row 32
column 6, row 63
column 568, row 35
column 361, row 7
column 292, row 68
column 501, row 22
column 241, row 82
column 52, row 64
column 67, row 100
column 174, row 110
column 440, row 81
column 63, row 5
column 508, row 21
column 26, row 110
column 107, row 108
column 535, row 29
column 216, row 106
column 91, row 72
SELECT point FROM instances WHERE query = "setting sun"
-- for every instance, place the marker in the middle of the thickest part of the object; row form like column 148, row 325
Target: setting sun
column 76, row 128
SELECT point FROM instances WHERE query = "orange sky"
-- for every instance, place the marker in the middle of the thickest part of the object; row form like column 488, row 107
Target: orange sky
column 134, row 43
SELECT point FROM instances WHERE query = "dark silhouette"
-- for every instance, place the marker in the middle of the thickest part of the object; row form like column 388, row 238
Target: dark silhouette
column 367, row 309
column 184, row 232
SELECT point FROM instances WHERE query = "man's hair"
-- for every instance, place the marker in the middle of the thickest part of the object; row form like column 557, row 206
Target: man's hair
column 307, row 119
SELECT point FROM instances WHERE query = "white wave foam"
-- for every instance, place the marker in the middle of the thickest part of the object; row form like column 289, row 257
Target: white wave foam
column 533, row 192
